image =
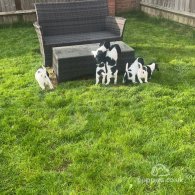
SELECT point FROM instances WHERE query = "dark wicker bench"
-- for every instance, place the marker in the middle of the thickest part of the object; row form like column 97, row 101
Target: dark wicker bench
column 75, row 22
column 73, row 62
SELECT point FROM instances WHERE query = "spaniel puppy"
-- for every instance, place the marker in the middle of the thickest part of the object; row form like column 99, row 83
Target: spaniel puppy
column 150, row 69
column 146, row 71
column 111, row 63
column 142, row 74
column 100, row 58
column 132, row 72
column 42, row 77
column 106, row 57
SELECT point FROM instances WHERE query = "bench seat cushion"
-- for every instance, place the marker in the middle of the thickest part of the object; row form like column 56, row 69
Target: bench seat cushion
column 72, row 39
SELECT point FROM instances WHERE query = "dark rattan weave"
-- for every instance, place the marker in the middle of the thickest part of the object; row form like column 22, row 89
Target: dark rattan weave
column 75, row 23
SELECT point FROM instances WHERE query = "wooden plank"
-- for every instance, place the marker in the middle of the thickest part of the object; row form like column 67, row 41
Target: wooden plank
column 18, row 4
column 20, row 12
column 183, row 13
column 192, row 6
column 6, row 6
column 185, row 19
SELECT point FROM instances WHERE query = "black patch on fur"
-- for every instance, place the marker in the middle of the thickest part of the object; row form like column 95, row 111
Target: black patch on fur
column 145, row 68
column 100, row 72
column 47, row 73
column 101, row 65
column 106, row 44
column 110, row 61
column 113, row 69
column 130, row 75
column 141, row 61
column 100, row 57
column 149, row 72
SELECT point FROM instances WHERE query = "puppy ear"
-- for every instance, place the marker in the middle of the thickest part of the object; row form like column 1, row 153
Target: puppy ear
column 118, row 48
column 102, row 43
column 107, row 45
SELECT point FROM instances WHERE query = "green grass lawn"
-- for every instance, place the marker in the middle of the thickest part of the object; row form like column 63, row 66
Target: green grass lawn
column 87, row 139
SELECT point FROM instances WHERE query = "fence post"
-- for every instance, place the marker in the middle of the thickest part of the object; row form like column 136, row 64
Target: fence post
column 18, row 4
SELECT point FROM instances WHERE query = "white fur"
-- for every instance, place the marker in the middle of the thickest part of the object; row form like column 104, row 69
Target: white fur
column 142, row 74
column 133, row 70
column 110, row 75
column 43, row 79
column 113, row 55
column 152, row 67
column 103, row 74
column 102, row 48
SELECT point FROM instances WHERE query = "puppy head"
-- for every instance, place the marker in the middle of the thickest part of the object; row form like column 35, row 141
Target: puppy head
column 141, row 61
column 105, row 44
column 100, row 54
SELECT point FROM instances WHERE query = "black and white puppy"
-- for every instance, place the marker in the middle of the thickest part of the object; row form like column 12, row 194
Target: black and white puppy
column 42, row 77
column 147, row 71
column 111, row 62
column 150, row 69
column 132, row 72
column 106, row 57
column 100, row 58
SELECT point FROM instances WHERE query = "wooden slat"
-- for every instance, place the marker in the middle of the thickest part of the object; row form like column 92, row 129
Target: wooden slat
column 21, row 12
column 188, row 14
column 6, row 6
column 176, row 5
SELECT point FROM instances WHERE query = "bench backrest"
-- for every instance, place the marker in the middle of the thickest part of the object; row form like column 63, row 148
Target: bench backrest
column 72, row 16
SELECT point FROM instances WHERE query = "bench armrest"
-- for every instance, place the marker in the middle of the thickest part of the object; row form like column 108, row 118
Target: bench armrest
column 115, row 25
column 40, row 35
column 36, row 25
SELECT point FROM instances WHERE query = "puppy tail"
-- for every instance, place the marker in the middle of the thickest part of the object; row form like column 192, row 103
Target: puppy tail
column 117, row 47
column 127, row 65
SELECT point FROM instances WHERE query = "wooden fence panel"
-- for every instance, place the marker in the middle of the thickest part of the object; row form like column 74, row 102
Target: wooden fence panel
column 5, row 6
column 182, row 11
column 9, row 13
column 176, row 5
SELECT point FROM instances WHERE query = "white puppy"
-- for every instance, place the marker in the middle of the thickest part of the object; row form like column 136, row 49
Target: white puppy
column 42, row 77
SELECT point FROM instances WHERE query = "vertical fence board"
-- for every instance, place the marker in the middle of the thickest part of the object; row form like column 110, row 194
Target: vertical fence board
column 8, row 5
